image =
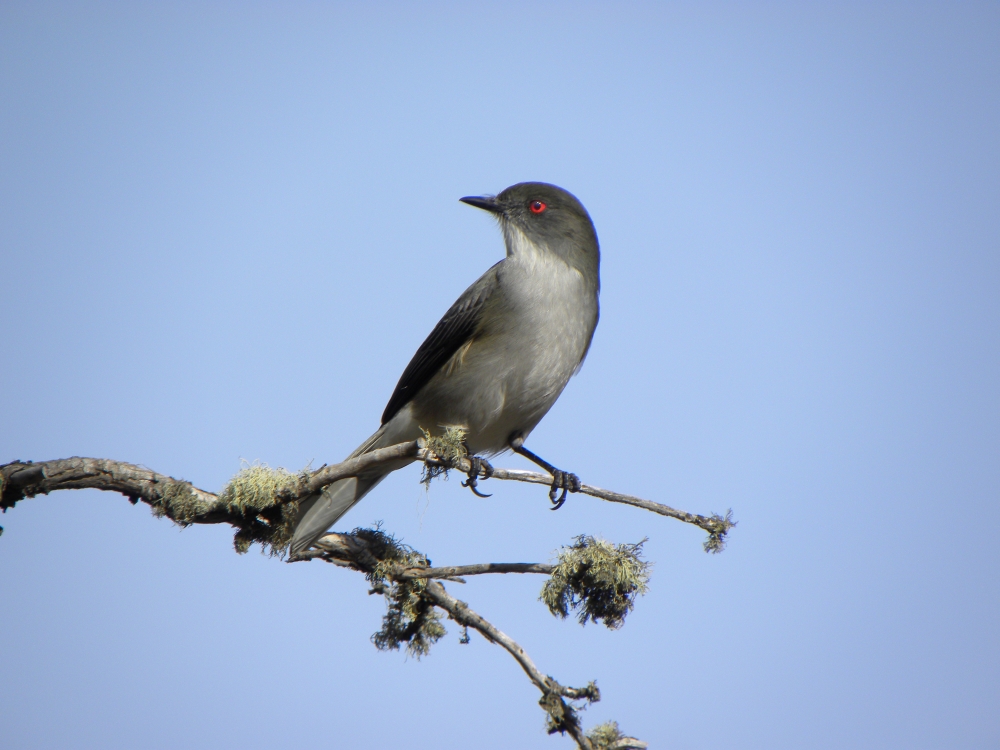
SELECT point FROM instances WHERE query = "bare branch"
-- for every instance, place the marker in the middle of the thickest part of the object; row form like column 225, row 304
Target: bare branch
column 520, row 475
column 562, row 716
column 715, row 525
column 629, row 743
column 453, row 571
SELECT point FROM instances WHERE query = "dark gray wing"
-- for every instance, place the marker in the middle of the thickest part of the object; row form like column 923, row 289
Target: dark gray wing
column 452, row 331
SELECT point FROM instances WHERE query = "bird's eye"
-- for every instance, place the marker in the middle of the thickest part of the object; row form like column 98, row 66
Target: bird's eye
column 537, row 207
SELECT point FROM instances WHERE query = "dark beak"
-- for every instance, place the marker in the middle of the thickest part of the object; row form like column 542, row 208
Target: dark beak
column 485, row 202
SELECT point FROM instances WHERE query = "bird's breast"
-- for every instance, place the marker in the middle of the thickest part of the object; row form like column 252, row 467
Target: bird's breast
column 533, row 338
column 553, row 314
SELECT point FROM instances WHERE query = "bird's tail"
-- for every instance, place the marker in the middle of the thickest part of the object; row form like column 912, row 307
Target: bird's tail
column 319, row 512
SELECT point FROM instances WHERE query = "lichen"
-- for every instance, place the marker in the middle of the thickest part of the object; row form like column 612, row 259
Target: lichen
column 272, row 530
column 716, row 541
column 449, row 448
column 410, row 616
column 256, row 487
column 560, row 716
column 260, row 514
column 599, row 579
column 604, row 736
column 178, row 502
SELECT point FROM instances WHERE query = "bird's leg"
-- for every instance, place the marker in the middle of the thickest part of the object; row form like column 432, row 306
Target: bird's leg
column 561, row 480
column 478, row 465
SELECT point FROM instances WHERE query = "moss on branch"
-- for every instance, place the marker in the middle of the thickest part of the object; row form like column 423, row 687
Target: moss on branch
column 598, row 578
column 410, row 616
column 260, row 514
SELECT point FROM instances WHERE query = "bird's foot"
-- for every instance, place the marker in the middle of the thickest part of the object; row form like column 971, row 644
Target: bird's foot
column 561, row 480
column 478, row 465
column 565, row 481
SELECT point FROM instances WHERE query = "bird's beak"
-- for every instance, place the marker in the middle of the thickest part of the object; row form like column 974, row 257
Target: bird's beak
column 485, row 202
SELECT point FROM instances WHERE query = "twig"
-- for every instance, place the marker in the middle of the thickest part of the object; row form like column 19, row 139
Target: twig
column 710, row 525
column 453, row 571
column 352, row 550
column 338, row 548
column 562, row 716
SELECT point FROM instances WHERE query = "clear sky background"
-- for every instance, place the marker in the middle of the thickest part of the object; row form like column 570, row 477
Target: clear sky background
column 225, row 228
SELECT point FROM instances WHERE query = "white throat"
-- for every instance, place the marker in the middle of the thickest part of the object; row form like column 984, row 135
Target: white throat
column 522, row 249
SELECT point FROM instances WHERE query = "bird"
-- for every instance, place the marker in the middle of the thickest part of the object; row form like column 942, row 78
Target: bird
column 497, row 361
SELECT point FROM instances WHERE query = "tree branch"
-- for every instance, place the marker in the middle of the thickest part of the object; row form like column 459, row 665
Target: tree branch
column 353, row 466
column 562, row 716
column 25, row 479
column 344, row 548
column 709, row 524
column 186, row 504
column 454, row 571
column 353, row 551
column 19, row 480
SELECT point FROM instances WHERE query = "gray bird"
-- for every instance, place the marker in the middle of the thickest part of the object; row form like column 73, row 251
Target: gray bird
column 500, row 357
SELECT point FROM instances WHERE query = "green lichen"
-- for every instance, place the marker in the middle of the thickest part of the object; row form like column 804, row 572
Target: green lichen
column 599, row 579
column 410, row 617
column 261, row 515
column 256, row 487
column 716, row 541
column 560, row 716
column 272, row 530
column 178, row 502
column 604, row 736
column 449, row 448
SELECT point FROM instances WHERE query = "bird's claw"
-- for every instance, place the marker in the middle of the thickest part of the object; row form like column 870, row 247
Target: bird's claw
column 565, row 481
column 477, row 465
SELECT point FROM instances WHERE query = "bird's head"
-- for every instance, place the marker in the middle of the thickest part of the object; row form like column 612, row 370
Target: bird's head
column 548, row 218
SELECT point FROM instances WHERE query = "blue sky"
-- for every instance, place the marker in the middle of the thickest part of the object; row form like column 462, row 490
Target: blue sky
column 226, row 227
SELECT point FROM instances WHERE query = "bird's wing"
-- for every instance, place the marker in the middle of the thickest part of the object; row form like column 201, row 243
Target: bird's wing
column 457, row 326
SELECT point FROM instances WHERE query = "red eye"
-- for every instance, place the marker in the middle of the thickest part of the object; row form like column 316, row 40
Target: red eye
column 537, row 207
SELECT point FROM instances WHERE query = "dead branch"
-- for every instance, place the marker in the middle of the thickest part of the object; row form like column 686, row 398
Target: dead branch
column 562, row 716
column 352, row 551
column 453, row 571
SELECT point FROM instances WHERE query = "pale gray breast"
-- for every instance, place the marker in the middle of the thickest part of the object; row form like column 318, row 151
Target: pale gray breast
column 555, row 313
column 536, row 330
column 548, row 320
